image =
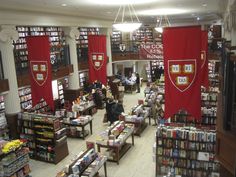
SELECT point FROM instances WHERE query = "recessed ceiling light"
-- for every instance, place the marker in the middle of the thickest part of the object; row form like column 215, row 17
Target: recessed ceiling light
column 204, row 4
column 198, row 18
column 163, row 12
column 108, row 12
column 63, row 5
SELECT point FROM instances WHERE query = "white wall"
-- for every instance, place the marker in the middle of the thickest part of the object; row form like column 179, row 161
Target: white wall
column 48, row 19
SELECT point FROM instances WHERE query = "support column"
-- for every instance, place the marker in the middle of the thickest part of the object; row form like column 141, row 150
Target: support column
column 12, row 100
column 72, row 92
column 108, row 33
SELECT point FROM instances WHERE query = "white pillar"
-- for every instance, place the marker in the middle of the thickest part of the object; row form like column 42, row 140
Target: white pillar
column 108, row 33
column 12, row 100
column 71, row 33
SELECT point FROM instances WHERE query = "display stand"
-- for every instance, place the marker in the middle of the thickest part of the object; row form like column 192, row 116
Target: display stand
column 45, row 137
column 114, row 140
column 85, row 108
column 88, row 163
column 138, row 117
column 72, row 126
column 3, row 122
column 15, row 162
column 130, row 88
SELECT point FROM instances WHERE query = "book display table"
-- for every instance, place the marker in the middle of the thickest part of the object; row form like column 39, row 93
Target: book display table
column 137, row 117
column 114, row 140
column 76, row 127
column 87, row 164
column 85, row 108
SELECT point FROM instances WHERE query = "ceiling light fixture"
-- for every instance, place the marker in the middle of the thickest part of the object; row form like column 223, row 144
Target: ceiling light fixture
column 127, row 24
column 63, row 5
column 161, row 23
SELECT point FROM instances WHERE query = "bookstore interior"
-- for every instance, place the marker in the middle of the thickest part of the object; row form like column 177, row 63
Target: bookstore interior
column 151, row 93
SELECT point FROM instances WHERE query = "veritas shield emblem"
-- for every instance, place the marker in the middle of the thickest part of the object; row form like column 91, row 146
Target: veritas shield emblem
column 39, row 71
column 182, row 73
column 97, row 60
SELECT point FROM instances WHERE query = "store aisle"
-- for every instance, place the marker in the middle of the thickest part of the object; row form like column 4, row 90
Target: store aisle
column 137, row 162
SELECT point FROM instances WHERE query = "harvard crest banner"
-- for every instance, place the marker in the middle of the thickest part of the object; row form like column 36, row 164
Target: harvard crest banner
column 182, row 47
column 204, row 60
column 97, row 58
column 40, row 69
column 151, row 51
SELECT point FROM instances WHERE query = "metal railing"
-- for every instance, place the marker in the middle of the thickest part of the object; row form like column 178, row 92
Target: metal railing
column 1, row 67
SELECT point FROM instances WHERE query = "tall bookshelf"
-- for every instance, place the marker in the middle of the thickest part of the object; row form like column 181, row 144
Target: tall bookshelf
column 45, row 137
column 83, row 76
column 82, row 42
column 116, row 40
column 186, row 152
column 143, row 34
column 58, row 54
column 3, row 123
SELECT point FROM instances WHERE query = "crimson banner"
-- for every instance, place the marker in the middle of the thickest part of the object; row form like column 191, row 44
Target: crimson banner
column 182, row 47
column 204, row 60
column 150, row 51
column 97, row 58
column 40, row 69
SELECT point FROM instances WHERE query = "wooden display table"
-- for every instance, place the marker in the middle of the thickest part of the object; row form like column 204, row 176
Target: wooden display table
column 88, row 108
column 118, row 146
column 81, row 124
column 88, row 163
column 130, row 88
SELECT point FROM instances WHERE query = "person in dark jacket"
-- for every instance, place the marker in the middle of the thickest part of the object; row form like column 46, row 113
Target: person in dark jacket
column 117, row 109
column 138, row 83
column 110, row 102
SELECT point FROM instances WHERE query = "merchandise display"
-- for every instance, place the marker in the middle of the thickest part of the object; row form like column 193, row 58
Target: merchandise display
column 114, row 140
column 86, row 163
column 138, row 116
column 185, row 151
column 84, row 105
column 45, row 137
column 14, row 159
column 75, row 127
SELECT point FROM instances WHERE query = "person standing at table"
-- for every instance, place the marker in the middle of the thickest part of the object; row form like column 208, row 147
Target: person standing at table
column 138, row 83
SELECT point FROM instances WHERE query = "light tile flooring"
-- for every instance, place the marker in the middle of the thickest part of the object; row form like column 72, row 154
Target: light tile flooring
column 137, row 162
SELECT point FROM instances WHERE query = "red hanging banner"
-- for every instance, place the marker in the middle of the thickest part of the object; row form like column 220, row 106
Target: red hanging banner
column 97, row 58
column 151, row 51
column 182, row 46
column 40, row 69
column 204, row 60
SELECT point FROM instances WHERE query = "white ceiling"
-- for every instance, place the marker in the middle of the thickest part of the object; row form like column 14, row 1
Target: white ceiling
column 206, row 10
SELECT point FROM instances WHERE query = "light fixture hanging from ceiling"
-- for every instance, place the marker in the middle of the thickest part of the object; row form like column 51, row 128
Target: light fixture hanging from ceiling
column 127, row 25
column 162, row 22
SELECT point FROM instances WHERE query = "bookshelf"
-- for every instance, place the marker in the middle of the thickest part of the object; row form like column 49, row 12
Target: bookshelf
column 83, row 76
column 45, row 137
column 185, row 151
column 58, row 54
column 82, row 42
column 116, row 40
column 143, row 34
column 15, row 162
column 3, row 122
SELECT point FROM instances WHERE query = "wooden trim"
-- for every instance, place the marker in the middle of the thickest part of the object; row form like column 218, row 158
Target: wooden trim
column 4, row 85
column 24, row 80
column 83, row 65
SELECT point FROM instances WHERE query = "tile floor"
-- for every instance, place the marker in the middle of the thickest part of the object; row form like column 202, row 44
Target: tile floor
column 137, row 162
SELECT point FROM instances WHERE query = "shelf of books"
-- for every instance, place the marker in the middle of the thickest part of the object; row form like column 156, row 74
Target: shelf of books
column 14, row 159
column 82, row 42
column 185, row 151
column 3, row 122
column 143, row 34
column 57, row 42
column 45, row 137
